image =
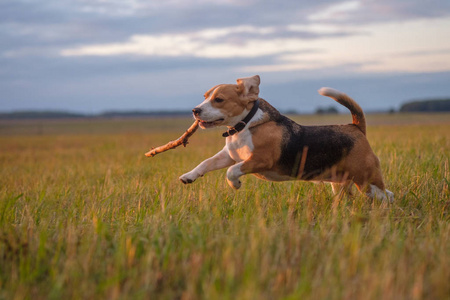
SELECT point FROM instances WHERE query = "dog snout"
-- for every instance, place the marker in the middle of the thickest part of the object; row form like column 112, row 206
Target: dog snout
column 197, row 111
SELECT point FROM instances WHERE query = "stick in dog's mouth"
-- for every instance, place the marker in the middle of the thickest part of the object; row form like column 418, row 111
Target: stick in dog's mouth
column 182, row 140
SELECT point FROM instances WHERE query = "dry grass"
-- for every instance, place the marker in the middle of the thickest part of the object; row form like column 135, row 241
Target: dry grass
column 84, row 214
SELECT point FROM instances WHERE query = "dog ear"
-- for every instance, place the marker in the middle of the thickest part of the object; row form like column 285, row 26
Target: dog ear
column 248, row 87
column 208, row 93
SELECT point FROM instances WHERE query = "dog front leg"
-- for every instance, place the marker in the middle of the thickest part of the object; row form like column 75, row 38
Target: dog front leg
column 221, row 160
column 233, row 174
column 249, row 166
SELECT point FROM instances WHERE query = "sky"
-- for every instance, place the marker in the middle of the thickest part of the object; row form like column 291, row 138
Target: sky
column 92, row 56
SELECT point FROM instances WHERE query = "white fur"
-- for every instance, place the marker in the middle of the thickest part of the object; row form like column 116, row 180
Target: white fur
column 329, row 92
column 233, row 174
column 376, row 192
column 218, row 161
column 238, row 148
column 209, row 113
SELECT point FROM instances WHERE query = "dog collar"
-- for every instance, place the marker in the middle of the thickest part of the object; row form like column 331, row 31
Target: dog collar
column 241, row 125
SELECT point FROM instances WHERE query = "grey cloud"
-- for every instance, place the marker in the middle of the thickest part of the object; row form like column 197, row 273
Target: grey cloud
column 424, row 52
column 33, row 32
column 394, row 11
column 241, row 38
column 63, row 23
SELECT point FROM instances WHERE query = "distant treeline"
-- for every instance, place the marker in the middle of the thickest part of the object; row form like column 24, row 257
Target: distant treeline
column 438, row 105
column 68, row 115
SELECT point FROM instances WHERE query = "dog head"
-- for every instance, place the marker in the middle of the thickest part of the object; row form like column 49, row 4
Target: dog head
column 227, row 104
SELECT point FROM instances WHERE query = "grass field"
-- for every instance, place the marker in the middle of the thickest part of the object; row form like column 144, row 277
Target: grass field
column 85, row 215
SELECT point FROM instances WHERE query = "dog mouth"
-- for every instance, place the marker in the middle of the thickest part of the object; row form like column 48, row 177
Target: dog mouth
column 205, row 124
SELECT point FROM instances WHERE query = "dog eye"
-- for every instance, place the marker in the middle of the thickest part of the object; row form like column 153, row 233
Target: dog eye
column 218, row 100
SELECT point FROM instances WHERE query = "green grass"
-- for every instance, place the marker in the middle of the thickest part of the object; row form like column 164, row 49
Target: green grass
column 85, row 215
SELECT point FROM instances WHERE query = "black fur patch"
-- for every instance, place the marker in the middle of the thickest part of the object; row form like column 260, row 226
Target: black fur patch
column 310, row 150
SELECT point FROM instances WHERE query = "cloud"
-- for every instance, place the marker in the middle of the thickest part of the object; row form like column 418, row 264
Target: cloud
column 379, row 48
column 72, row 24
column 340, row 11
column 371, row 48
column 372, row 12
column 227, row 42
column 80, row 49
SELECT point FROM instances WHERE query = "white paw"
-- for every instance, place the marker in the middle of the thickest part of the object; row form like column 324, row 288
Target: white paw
column 385, row 196
column 390, row 196
column 188, row 178
column 235, row 184
column 233, row 174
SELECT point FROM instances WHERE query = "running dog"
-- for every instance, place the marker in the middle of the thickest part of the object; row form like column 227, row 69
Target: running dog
column 269, row 145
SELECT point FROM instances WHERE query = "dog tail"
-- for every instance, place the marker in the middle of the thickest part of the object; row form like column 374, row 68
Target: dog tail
column 357, row 113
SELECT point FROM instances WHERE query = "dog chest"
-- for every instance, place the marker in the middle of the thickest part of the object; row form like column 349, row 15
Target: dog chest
column 240, row 146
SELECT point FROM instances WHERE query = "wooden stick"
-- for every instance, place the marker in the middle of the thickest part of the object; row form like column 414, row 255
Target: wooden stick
column 182, row 140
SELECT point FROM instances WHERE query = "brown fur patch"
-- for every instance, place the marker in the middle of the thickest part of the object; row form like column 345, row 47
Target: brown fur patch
column 233, row 104
column 360, row 165
column 363, row 166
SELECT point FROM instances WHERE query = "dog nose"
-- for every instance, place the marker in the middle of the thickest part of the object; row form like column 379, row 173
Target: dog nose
column 197, row 111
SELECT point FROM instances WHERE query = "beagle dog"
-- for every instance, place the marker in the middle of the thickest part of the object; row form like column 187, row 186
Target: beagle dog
column 269, row 145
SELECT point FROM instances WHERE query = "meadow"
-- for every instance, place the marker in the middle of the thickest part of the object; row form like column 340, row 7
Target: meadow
column 85, row 215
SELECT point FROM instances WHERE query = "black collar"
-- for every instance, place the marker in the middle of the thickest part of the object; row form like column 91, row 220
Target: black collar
column 241, row 125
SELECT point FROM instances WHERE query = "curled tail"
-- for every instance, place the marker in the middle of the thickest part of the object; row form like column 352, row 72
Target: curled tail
column 357, row 113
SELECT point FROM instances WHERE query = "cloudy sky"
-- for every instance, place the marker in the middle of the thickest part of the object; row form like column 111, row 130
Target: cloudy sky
column 98, row 55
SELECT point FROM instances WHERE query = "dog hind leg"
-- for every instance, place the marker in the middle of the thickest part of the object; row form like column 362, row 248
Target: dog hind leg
column 345, row 188
column 374, row 188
